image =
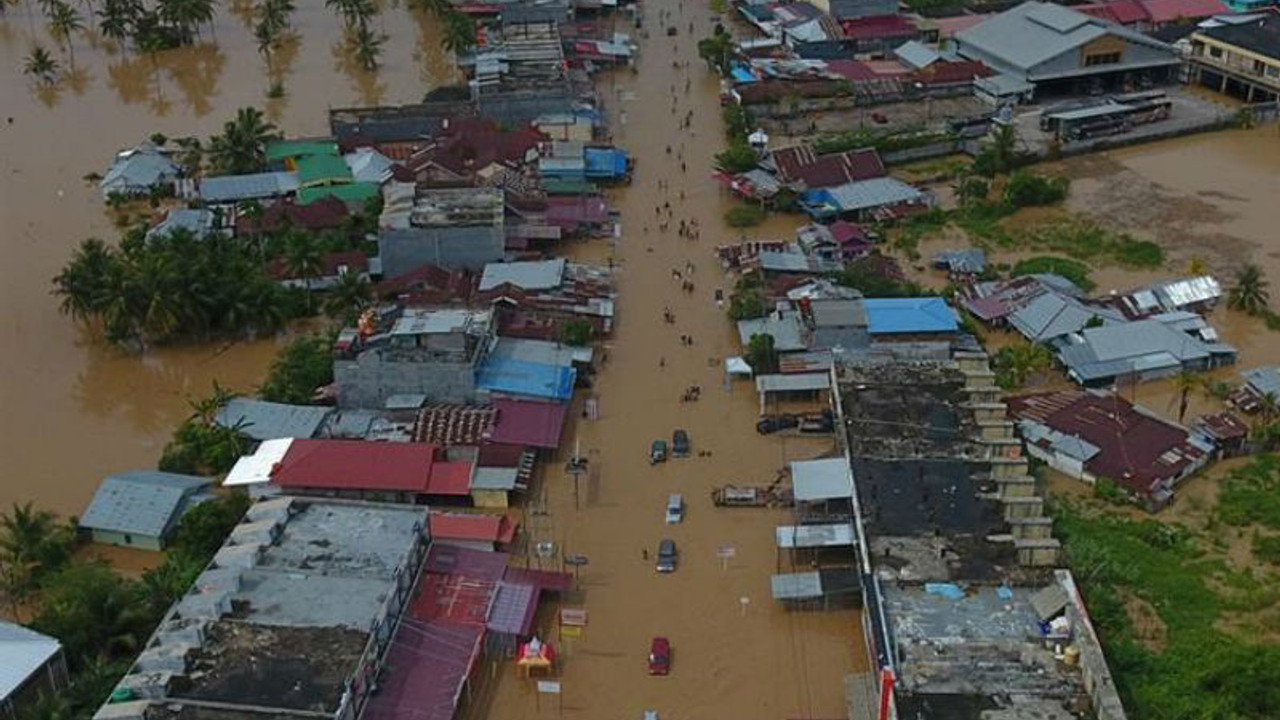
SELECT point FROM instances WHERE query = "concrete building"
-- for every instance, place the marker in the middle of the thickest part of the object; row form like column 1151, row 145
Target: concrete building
column 1241, row 60
column 293, row 618
column 141, row 508
column 435, row 353
column 1049, row 49
column 454, row 228
column 31, row 666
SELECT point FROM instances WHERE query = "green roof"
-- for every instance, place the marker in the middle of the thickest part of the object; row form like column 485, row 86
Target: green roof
column 278, row 150
column 557, row 186
column 350, row 193
column 322, row 169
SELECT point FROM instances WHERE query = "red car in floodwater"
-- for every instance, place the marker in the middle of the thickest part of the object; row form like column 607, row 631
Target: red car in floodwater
column 660, row 656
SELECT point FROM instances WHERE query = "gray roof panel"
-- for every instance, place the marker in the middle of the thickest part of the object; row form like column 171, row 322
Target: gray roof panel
column 143, row 502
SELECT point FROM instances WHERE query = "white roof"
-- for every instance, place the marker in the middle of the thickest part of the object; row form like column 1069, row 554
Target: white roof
column 369, row 165
column 736, row 365
column 796, row 586
column 807, row 536
column 536, row 275
column 799, row 382
column 826, row 479
column 22, row 652
column 256, row 468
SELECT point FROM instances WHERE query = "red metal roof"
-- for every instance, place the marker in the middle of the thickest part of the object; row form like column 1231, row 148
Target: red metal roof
column 326, row 213
column 450, row 478
column 1167, row 11
column 356, row 465
column 852, row 69
column 427, row 665
column 946, row 73
column 460, row 526
column 879, row 26
column 528, row 423
column 801, row 163
column 949, row 26
column 1135, row 449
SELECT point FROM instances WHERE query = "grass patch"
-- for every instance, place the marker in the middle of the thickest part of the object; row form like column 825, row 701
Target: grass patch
column 744, row 216
column 1086, row 240
column 1251, row 494
column 1073, row 270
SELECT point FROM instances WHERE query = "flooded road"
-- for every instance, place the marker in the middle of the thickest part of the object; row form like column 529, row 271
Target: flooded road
column 76, row 410
column 726, row 663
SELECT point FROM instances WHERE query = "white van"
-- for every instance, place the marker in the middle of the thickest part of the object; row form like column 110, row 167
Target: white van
column 675, row 508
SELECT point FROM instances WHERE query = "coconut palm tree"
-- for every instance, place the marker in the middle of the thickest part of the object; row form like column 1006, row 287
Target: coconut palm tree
column 41, row 65
column 353, row 12
column 1186, row 381
column 116, row 20
column 187, row 15
column 303, row 259
column 63, row 21
column 459, row 33
column 368, row 46
column 349, row 297
column 83, row 283
column 1250, row 292
column 32, row 544
column 240, row 146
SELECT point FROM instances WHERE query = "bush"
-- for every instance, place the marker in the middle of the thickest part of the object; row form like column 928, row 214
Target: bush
column 737, row 122
column 577, row 332
column 304, row 365
column 1267, row 548
column 738, row 157
column 761, row 355
column 1073, row 270
column 875, row 284
column 747, row 304
column 744, row 216
column 1026, row 189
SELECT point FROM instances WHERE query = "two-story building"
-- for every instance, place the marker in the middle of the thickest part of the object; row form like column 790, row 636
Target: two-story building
column 1239, row 59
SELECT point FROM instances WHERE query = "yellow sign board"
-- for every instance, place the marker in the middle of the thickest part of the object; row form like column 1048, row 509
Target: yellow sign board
column 570, row 631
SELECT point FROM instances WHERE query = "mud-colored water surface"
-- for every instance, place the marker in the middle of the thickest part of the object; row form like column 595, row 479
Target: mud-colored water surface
column 75, row 410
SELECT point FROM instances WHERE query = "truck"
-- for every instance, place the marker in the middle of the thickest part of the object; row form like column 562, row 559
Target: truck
column 751, row 496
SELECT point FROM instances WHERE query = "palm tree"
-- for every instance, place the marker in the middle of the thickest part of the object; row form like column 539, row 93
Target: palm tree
column 303, row 259
column 41, row 65
column 1003, row 146
column 32, row 544
column 1250, row 292
column 158, row 295
column 117, row 19
column 186, row 15
column 205, row 410
column 239, row 149
column 368, row 46
column 350, row 296
column 439, row 8
column 459, row 33
column 63, row 21
column 83, row 283
column 190, row 155
column 353, row 12
column 1186, row 381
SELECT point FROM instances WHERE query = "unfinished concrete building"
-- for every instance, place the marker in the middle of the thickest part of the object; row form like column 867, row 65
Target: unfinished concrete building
column 285, row 622
column 966, row 615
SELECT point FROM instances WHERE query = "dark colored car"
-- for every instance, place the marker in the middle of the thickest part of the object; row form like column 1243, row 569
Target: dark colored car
column 658, row 452
column 667, row 556
column 773, row 423
column 680, row 444
column 660, row 656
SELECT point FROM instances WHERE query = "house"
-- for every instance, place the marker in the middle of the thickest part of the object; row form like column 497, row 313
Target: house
column 262, row 420
column 877, row 198
column 1054, row 49
column 199, row 222
column 321, row 170
column 289, row 153
column 402, row 472
column 1150, row 15
column 995, row 301
column 841, row 240
column 232, row 189
column 1198, row 294
column 1052, row 315
column 784, row 325
column 136, row 170
column 478, row 532
column 367, row 165
column 855, row 9
column 1228, row 433
column 435, row 353
column 328, row 213
column 467, row 148
column 449, row 228
column 834, row 323
column 32, row 666
column 1093, row 435
column 332, row 267
column 1156, row 347
column 533, row 275
column 877, row 35
column 1239, row 59
column 802, row 168
column 140, row 508
column 897, row 319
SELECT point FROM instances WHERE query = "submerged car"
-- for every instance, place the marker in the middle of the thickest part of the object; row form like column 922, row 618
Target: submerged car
column 667, row 556
column 675, row 508
column 657, row 452
column 680, row 444
column 660, row 656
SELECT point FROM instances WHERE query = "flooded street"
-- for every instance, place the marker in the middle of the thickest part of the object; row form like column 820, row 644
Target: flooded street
column 726, row 663
column 77, row 410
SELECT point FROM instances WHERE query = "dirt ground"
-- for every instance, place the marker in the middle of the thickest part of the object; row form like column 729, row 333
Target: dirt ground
column 730, row 658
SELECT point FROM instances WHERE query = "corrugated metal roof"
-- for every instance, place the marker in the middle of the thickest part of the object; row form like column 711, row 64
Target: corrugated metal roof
column 799, row 382
column 317, row 169
column 230, row 188
column 494, row 478
column 276, row 150
column 142, row 502
column 867, row 194
column 262, row 420
column 909, row 315
column 796, row 586
column 1052, row 315
column 916, row 54
column 805, row 536
column 22, row 653
column 785, row 331
column 826, row 479
column 536, row 275
column 1263, row 380
column 506, row 375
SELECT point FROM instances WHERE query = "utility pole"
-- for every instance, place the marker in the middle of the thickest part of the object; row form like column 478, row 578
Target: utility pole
column 577, row 467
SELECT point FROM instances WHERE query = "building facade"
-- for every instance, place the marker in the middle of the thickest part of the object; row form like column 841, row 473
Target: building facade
column 1241, row 60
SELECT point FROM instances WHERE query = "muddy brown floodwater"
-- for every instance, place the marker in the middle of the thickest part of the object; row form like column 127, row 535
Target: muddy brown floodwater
column 73, row 409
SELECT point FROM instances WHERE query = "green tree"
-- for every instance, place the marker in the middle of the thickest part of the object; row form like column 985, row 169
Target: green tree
column 738, row 157
column 972, row 190
column 1015, row 364
column 118, row 18
column 353, row 12
column 186, row 16
column 64, row 21
column 717, row 50
column 761, row 355
column 240, row 146
column 459, row 33
column 33, row 544
column 577, row 332
column 93, row 612
column 367, row 45
column 41, row 65
column 303, row 259
column 349, row 296
column 1249, row 292
column 304, row 365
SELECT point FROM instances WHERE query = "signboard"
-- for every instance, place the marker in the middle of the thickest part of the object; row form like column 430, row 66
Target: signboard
column 573, row 616
column 571, row 631
column 575, row 559
column 549, row 686
column 724, row 552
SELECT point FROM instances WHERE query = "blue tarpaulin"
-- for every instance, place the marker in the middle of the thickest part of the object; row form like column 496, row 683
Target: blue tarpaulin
column 605, row 162
column 741, row 74
column 519, row 377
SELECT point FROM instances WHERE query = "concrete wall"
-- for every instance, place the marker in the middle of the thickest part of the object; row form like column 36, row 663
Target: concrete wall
column 144, row 542
column 368, row 380
column 456, row 247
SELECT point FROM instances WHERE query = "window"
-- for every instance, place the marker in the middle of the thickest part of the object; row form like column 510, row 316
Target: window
column 1215, row 52
column 1102, row 59
column 128, row 539
column 1273, row 71
column 1258, row 67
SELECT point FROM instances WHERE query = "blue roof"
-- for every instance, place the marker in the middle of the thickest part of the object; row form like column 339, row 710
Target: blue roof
column 742, row 74
column 909, row 315
column 521, row 377
column 605, row 162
